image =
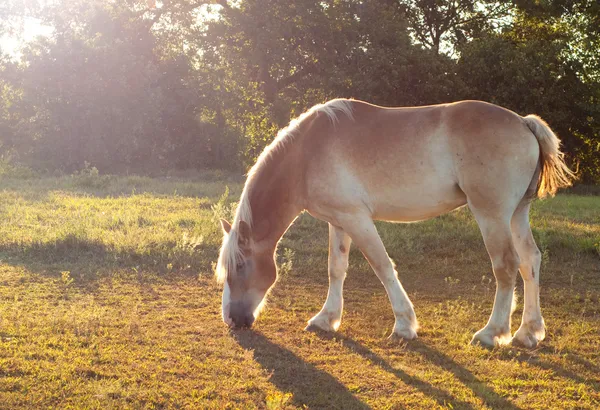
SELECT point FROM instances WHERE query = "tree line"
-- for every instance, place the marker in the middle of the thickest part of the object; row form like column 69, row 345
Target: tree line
column 147, row 86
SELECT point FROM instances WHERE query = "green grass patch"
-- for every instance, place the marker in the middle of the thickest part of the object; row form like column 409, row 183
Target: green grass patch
column 107, row 301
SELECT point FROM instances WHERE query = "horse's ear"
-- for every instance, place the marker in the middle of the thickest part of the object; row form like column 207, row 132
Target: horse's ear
column 226, row 226
column 244, row 233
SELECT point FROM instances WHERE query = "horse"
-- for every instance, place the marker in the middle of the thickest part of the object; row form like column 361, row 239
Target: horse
column 349, row 162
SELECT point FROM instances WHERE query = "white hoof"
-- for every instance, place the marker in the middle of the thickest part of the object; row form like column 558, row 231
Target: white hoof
column 405, row 334
column 529, row 335
column 489, row 337
column 405, row 331
column 328, row 322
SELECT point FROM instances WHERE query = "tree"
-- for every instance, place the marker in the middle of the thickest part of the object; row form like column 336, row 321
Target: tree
column 528, row 73
column 141, row 86
column 435, row 22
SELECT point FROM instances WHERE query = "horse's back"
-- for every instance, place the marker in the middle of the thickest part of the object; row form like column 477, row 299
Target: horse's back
column 408, row 164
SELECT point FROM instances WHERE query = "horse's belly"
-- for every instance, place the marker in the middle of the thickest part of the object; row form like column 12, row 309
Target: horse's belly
column 404, row 192
column 411, row 205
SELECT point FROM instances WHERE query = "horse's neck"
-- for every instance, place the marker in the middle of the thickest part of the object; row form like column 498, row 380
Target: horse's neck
column 275, row 200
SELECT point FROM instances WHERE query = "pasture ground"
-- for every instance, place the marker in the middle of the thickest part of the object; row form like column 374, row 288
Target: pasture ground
column 107, row 301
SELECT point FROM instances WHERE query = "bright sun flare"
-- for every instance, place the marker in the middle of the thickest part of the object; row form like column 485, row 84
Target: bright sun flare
column 25, row 31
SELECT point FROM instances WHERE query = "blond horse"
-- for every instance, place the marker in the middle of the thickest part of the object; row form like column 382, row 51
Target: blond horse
column 348, row 163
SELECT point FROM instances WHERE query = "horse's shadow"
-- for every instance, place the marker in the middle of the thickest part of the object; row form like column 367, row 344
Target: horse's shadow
column 563, row 372
column 576, row 358
column 310, row 386
column 315, row 388
column 443, row 398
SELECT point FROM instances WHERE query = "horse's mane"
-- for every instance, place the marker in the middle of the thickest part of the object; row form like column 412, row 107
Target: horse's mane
column 231, row 253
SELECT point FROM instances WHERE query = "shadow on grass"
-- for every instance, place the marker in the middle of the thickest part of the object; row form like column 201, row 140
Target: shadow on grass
column 576, row 358
column 194, row 185
column 311, row 387
column 487, row 395
column 479, row 388
column 534, row 360
column 89, row 259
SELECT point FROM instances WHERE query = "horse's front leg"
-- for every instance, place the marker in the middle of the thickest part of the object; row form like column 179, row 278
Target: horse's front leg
column 330, row 316
column 363, row 232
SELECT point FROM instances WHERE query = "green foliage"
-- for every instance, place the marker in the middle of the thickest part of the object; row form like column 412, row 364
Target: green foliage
column 65, row 283
column 223, row 208
column 9, row 169
column 89, row 177
column 286, row 262
column 531, row 70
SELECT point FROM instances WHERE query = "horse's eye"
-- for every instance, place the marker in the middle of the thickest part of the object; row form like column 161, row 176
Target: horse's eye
column 239, row 266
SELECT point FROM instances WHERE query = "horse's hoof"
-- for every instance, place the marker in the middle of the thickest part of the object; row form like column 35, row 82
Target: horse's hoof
column 403, row 334
column 483, row 342
column 319, row 326
column 528, row 342
column 490, row 340
column 525, row 337
column 311, row 327
column 328, row 322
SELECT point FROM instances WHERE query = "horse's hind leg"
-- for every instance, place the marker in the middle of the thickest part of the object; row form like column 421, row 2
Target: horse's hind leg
column 330, row 316
column 495, row 228
column 531, row 331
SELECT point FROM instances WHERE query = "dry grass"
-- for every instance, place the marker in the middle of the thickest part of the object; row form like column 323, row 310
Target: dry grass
column 107, row 301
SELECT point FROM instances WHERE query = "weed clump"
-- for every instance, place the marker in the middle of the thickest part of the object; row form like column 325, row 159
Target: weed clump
column 89, row 177
column 223, row 209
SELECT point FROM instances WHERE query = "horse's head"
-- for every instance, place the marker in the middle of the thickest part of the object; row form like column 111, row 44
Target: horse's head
column 247, row 271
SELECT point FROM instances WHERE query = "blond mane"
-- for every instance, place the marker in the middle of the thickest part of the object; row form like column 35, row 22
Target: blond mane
column 231, row 253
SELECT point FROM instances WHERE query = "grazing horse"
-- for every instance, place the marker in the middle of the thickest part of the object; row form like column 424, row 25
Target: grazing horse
column 349, row 163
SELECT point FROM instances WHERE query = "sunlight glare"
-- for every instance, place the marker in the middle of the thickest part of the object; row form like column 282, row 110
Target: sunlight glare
column 23, row 32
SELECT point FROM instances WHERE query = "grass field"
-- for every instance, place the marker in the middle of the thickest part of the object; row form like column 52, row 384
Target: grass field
column 107, row 301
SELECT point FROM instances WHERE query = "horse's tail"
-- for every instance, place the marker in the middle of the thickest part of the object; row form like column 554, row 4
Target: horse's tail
column 554, row 173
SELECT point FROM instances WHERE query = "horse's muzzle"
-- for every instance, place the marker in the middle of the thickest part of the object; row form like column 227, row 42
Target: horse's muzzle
column 240, row 316
column 241, row 322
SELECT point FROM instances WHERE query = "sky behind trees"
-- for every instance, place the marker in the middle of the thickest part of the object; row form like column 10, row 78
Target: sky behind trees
column 26, row 30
